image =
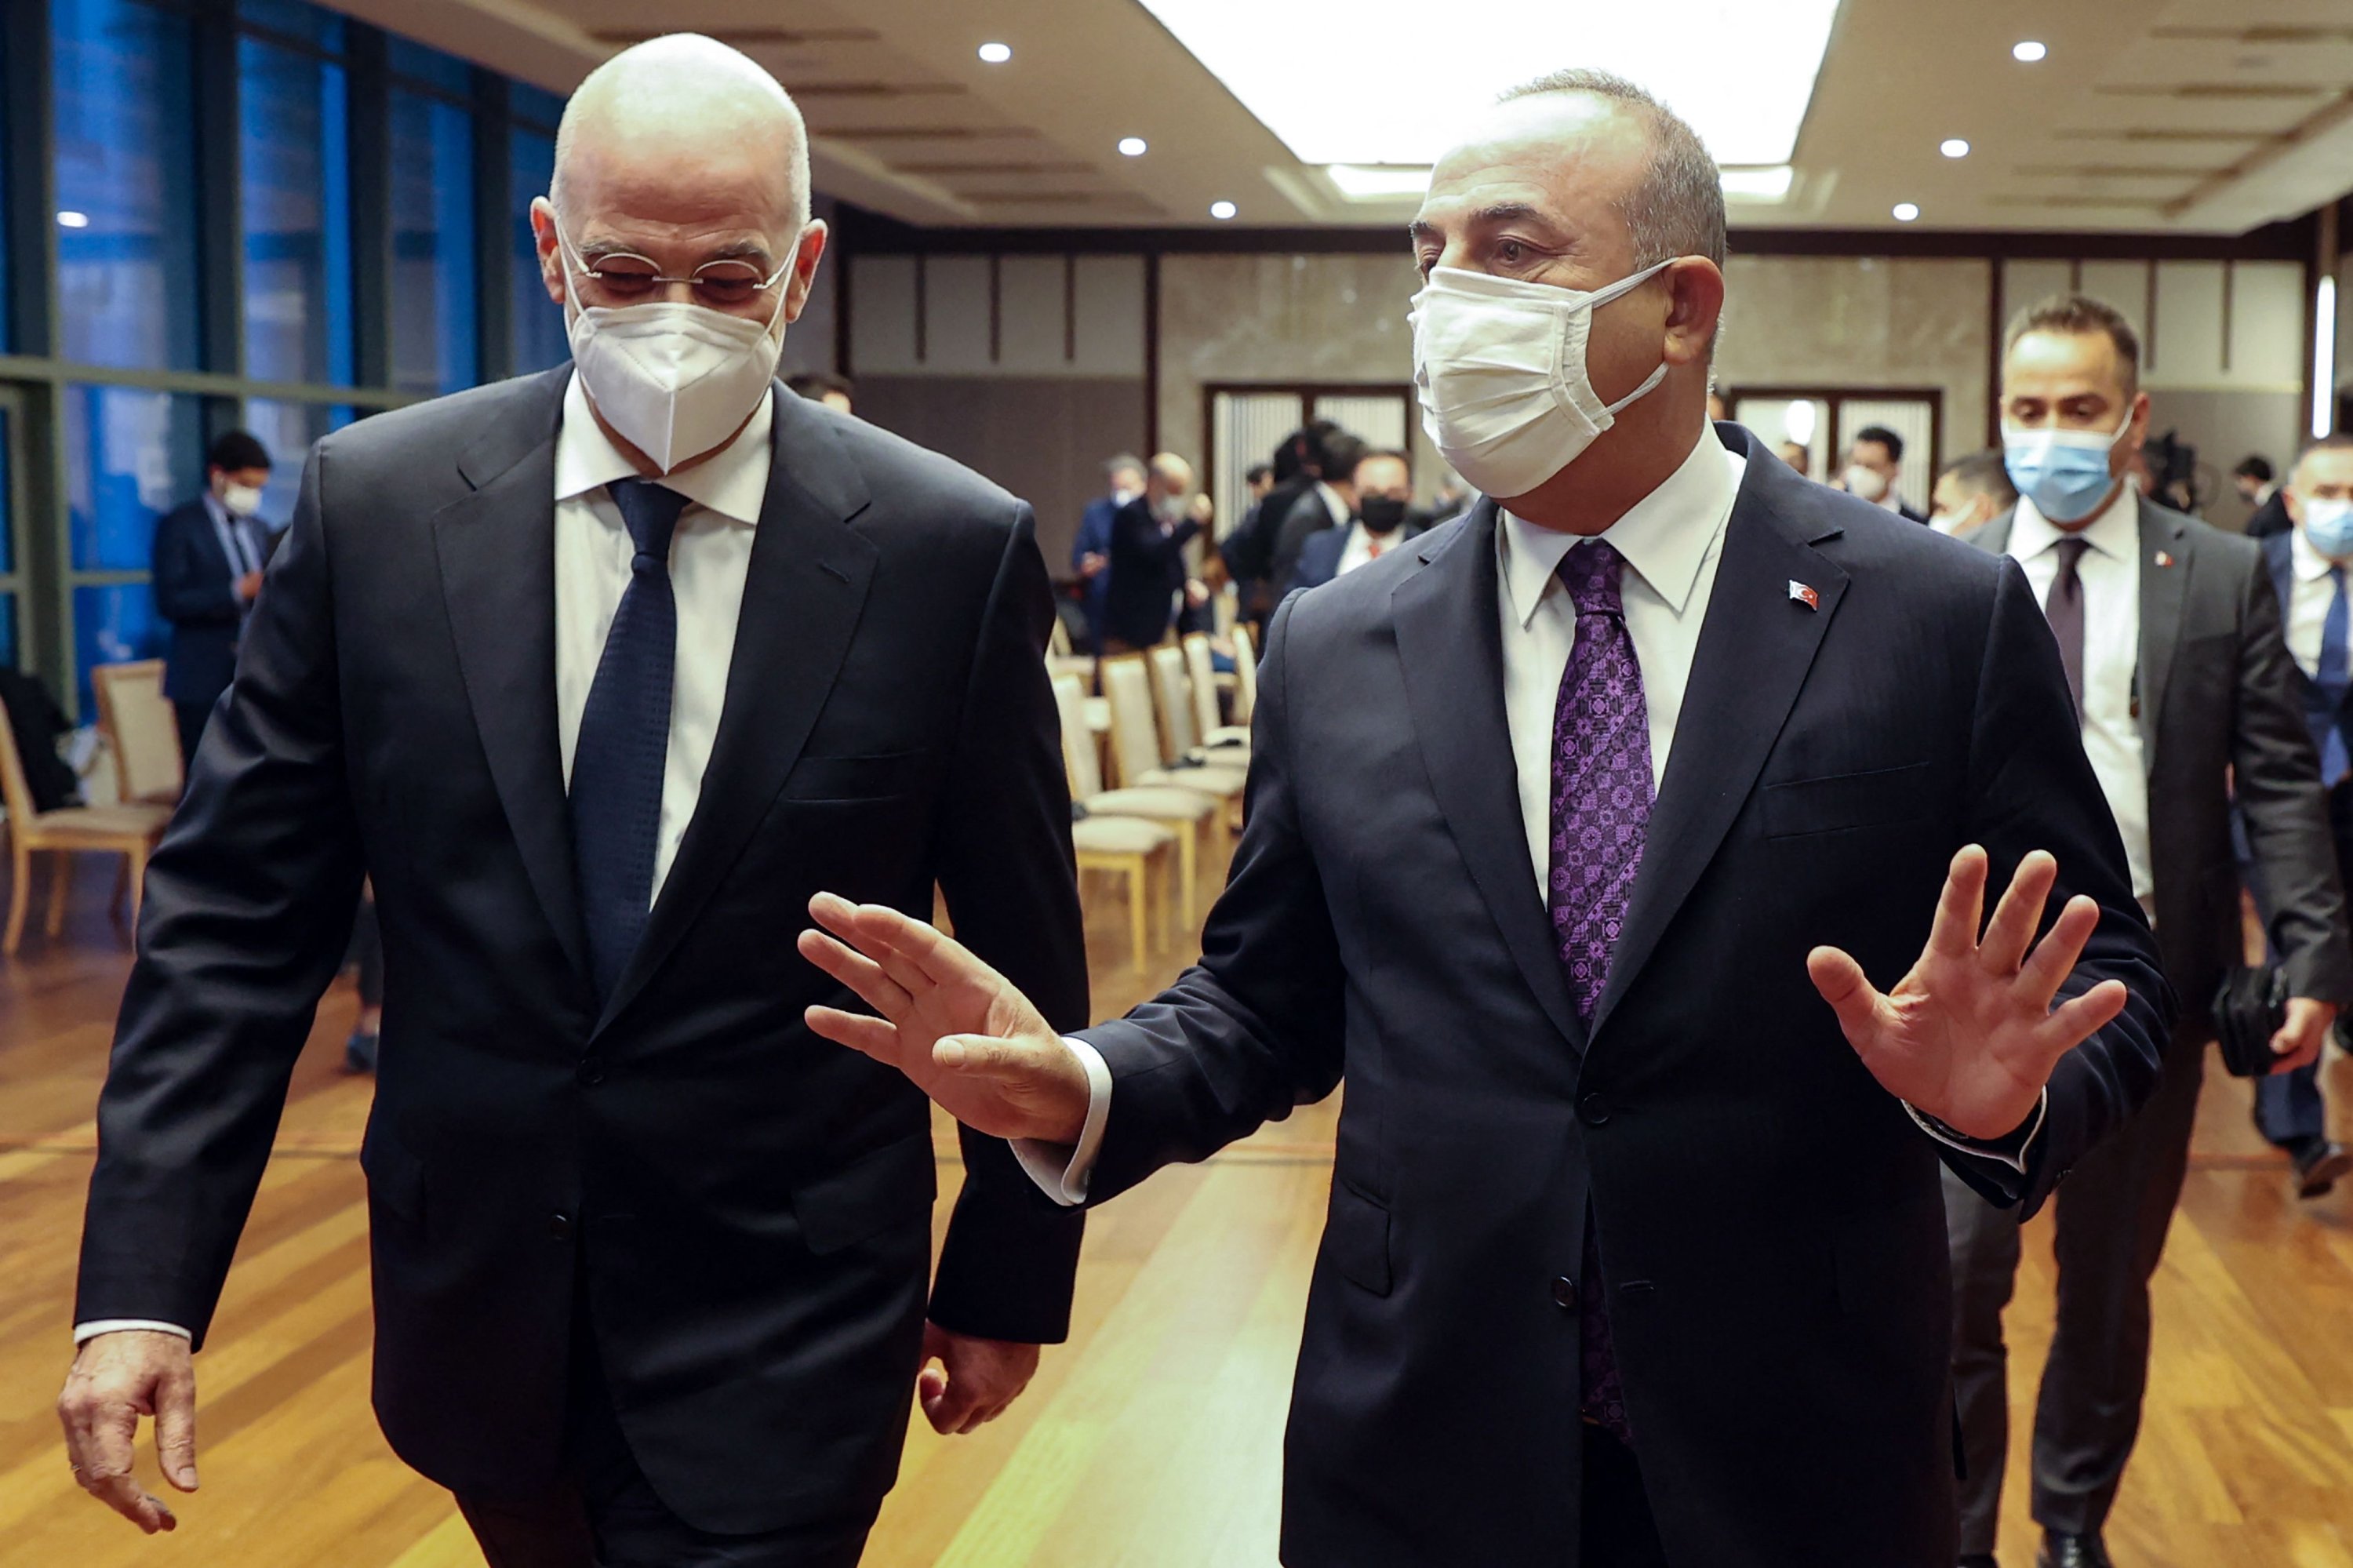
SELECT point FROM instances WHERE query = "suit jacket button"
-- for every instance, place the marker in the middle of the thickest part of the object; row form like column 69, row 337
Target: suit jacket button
column 559, row 1227
column 592, row 1071
column 1593, row 1109
column 1564, row 1293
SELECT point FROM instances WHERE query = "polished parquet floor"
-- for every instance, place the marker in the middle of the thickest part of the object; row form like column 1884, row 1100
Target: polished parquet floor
column 1152, row 1440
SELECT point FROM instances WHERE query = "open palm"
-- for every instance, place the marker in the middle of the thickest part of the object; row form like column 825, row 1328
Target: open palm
column 1969, row 1034
column 957, row 1029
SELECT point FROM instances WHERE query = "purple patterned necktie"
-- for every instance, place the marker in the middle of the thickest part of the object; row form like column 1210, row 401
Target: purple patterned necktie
column 1600, row 814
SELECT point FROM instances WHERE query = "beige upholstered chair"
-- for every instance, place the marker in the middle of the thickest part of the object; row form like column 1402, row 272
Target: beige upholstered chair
column 1136, row 737
column 127, row 830
column 1186, row 814
column 1245, row 677
column 1180, row 734
column 1224, row 742
column 137, row 720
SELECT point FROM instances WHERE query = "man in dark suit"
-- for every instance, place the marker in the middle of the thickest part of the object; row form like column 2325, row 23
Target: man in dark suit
column 1330, row 504
column 2169, row 634
column 1091, row 550
column 1150, row 583
column 2260, row 490
column 651, row 1263
column 2308, row 567
column 1582, row 833
column 1384, row 519
column 207, row 572
column 1875, row 465
column 1249, row 549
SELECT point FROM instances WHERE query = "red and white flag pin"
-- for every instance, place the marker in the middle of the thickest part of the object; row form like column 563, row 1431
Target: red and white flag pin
column 2164, row 559
column 1801, row 593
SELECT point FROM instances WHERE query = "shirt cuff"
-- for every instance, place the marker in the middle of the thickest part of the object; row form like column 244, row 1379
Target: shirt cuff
column 2011, row 1151
column 92, row 1330
column 1061, row 1171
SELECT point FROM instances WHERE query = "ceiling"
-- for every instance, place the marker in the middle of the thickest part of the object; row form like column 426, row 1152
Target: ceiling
column 2200, row 116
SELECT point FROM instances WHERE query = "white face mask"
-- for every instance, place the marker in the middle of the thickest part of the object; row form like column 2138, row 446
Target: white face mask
column 1868, row 483
column 240, row 500
column 675, row 379
column 1499, row 365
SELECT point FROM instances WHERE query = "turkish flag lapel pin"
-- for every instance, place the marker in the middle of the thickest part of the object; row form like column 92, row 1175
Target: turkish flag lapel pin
column 1804, row 593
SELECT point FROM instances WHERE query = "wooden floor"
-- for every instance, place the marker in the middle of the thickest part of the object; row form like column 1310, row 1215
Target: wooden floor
column 1152, row 1440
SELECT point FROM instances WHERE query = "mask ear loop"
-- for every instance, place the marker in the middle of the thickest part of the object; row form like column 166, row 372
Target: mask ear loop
column 1601, row 297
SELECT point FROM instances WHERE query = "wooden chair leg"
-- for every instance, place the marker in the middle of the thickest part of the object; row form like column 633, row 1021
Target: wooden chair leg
column 134, row 866
column 20, row 891
column 60, row 874
column 1138, row 911
column 1189, row 869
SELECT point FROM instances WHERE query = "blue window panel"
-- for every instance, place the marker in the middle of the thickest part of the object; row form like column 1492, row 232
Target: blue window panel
column 294, row 155
column 532, row 106
column 8, row 629
column 319, row 28
column 539, row 332
column 124, row 80
column 287, row 429
column 115, row 622
column 130, row 456
column 434, row 346
column 431, row 67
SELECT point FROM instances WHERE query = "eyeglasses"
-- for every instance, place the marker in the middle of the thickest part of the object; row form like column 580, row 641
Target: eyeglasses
column 724, row 284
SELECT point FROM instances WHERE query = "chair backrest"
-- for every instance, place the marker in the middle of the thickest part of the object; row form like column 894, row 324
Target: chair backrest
column 15, row 789
column 1174, row 690
column 1245, row 675
column 1202, row 669
column 1225, row 607
column 1134, row 734
column 1058, row 642
column 136, row 719
column 1080, row 765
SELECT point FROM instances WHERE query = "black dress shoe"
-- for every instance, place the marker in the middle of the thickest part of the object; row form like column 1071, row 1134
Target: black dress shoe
column 2060, row 1550
column 359, row 1053
column 2318, row 1164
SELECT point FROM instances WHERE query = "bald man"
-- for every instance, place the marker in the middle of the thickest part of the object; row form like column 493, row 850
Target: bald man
column 1149, row 579
column 600, row 675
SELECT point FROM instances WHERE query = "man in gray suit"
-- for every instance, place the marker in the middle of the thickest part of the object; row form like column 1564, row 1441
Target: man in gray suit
column 2169, row 632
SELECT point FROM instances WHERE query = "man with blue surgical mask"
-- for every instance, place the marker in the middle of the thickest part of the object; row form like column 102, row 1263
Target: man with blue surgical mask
column 1584, row 833
column 2309, row 566
column 599, row 675
column 2169, row 634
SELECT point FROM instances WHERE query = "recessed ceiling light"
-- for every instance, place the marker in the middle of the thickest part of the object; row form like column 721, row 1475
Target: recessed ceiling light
column 1906, row 211
column 1379, row 182
column 1221, row 210
column 1952, row 147
column 70, row 220
column 2028, row 50
column 1756, row 185
column 1131, row 146
column 996, row 53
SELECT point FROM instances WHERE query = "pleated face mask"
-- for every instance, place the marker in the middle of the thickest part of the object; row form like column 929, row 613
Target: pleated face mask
column 1499, row 366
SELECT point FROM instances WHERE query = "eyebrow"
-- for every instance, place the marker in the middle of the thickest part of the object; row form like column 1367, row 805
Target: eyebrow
column 1489, row 217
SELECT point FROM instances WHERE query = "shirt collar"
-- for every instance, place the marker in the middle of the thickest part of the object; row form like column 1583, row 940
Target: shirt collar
column 1665, row 536
column 1892, row 502
column 2115, row 533
column 734, row 484
column 2310, row 564
column 216, row 508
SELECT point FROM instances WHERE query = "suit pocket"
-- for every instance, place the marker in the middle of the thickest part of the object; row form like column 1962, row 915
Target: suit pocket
column 866, row 777
column 1845, row 801
column 395, row 1176
column 1356, row 1238
column 891, row 1185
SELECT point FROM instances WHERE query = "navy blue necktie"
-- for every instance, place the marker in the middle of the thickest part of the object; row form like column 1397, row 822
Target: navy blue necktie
column 2334, row 677
column 619, row 759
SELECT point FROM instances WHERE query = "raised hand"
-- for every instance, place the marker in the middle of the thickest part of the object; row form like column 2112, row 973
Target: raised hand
column 956, row 1028
column 1970, row 1035
column 116, row 1379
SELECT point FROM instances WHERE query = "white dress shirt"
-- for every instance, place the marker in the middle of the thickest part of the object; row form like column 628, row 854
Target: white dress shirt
column 1673, row 540
column 1358, row 547
column 710, row 555
column 2110, row 572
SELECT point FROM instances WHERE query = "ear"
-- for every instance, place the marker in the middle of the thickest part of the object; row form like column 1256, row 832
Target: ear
column 1695, row 288
column 807, row 253
column 550, row 256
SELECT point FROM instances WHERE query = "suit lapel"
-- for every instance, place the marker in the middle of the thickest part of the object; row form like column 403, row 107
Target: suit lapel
column 2163, row 589
column 1449, row 641
column 496, row 547
column 1755, row 649
column 804, row 589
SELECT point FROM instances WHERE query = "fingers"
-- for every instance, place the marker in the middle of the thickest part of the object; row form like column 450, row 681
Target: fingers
column 2054, row 957
column 860, row 974
column 871, row 1036
column 175, row 1430
column 952, row 1407
column 2076, row 1022
column 1849, row 992
column 1961, row 906
column 2011, row 930
column 2293, row 1048
column 878, row 930
column 102, row 1463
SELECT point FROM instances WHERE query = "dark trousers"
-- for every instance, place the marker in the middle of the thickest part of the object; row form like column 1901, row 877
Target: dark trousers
column 604, row 1513
column 1618, row 1529
column 2289, row 1109
column 2113, row 1211
column 189, row 718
